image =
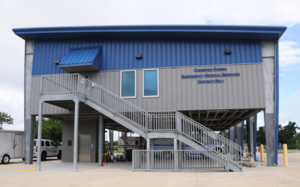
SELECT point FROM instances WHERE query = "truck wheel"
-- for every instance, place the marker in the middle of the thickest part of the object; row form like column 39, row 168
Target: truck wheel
column 59, row 155
column 44, row 156
column 5, row 159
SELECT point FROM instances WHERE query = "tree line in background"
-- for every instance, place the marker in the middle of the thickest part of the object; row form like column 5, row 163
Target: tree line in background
column 52, row 130
column 286, row 135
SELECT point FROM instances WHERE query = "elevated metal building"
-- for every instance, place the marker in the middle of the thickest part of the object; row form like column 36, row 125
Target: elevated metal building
column 176, row 81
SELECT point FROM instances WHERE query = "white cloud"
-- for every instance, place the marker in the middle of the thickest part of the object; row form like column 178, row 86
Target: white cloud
column 289, row 111
column 289, row 53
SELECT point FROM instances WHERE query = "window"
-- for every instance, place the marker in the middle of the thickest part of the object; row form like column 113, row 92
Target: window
column 47, row 143
column 150, row 81
column 128, row 83
column 53, row 144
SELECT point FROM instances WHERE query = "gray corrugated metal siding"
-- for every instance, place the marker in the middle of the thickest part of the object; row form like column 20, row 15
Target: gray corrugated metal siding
column 245, row 91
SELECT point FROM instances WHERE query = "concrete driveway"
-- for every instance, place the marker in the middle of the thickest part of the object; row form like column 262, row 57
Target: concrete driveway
column 57, row 173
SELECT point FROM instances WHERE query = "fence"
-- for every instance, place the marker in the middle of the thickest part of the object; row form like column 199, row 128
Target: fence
column 180, row 160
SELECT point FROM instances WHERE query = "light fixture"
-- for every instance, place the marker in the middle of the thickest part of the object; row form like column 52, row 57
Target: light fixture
column 57, row 62
column 138, row 56
column 228, row 51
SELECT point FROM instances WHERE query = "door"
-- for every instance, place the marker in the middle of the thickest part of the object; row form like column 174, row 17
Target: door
column 84, row 150
column 54, row 149
column 18, row 145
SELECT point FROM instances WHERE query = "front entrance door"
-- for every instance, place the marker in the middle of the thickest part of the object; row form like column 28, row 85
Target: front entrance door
column 84, row 147
column 18, row 145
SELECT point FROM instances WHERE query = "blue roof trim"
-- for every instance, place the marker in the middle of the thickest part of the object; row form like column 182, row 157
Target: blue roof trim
column 183, row 31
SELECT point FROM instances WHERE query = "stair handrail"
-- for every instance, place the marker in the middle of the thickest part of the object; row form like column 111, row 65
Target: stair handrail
column 60, row 83
column 117, row 105
column 232, row 150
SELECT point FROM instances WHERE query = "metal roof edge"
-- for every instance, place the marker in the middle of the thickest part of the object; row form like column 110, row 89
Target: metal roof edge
column 42, row 32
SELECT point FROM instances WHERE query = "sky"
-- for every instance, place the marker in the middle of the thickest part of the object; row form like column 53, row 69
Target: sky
column 32, row 13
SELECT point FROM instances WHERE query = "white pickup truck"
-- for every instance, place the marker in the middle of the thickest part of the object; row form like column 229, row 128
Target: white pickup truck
column 48, row 149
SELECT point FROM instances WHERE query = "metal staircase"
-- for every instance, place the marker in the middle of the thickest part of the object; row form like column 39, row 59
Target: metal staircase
column 146, row 124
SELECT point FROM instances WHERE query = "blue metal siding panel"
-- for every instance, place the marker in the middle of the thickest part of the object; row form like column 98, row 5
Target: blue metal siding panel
column 118, row 54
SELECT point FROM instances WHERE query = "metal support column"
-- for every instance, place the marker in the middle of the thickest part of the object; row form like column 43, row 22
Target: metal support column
column 101, row 142
column 227, row 133
column 250, row 138
column 75, row 146
column 231, row 137
column 111, row 141
column 254, row 135
column 175, row 154
column 152, row 154
column 125, row 145
column 140, row 142
column 239, row 133
column 243, row 134
column 40, row 135
column 148, row 153
column 179, row 155
column 234, row 136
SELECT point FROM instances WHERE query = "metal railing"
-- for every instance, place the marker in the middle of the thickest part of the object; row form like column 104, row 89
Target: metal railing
column 164, row 121
column 211, row 140
column 62, row 84
column 121, row 107
column 180, row 160
column 167, row 121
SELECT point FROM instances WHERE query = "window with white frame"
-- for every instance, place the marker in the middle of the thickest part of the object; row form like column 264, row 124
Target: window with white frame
column 150, row 83
column 128, row 84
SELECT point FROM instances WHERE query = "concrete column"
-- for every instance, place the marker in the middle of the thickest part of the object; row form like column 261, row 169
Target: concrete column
column 75, row 147
column 239, row 134
column 111, row 141
column 270, row 70
column 29, row 139
column 250, row 138
column 125, row 145
column 40, row 135
column 101, row 143
column 29, row 121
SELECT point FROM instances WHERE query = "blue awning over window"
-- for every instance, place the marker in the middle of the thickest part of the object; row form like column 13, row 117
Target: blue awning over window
column 81, row 60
